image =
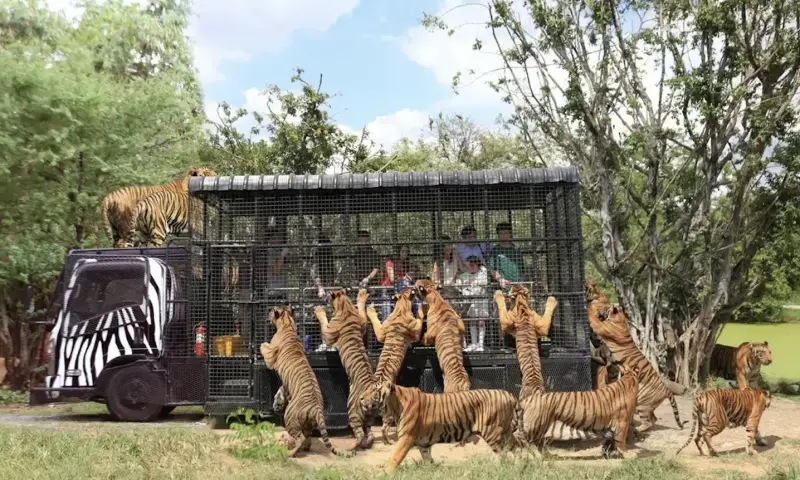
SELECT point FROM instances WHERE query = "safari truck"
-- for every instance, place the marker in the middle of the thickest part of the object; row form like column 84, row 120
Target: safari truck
column 147, row 329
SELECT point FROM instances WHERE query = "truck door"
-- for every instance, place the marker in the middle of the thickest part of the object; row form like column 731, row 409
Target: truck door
column 106, row 315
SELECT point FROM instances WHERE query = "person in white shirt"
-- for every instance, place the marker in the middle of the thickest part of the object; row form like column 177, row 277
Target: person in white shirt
column 473, row 283
column 449, row 261
column 469, row 247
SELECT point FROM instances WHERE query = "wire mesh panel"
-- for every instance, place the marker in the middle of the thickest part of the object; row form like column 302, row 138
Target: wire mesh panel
column 271, row 240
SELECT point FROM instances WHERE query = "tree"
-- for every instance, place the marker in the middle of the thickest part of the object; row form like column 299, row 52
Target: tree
column 297, row 135
column 672, row 126
column 75, row 123
column 455, row 142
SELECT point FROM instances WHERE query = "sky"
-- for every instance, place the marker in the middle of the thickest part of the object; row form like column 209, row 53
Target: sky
column 387, row 71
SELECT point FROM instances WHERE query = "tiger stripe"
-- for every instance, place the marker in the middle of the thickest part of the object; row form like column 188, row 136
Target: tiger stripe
column 398, row 331
column 346, row 331
column 608, row 410
column 430, row 418
column 445, row 331
column 526, row 326
column 165, row 212
column 615, row 334
column 305, row 408
column 742, row 363
column 118, row 207
column 714, row 410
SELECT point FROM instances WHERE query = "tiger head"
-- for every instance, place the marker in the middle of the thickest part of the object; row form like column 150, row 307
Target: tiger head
column 198, row 171
column 375, row 395
column 761, row 353
column 519, row 293
column 613, row 313
column 339, row 297
column 405, row 296
column 283, row 317
column 593, row 292
column 424, row 288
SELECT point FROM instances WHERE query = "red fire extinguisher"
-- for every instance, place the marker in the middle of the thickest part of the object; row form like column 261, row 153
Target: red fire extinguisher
column 199, row 339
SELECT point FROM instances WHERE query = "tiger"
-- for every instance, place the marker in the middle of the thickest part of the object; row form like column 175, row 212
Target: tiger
column 398, row 331
column 346, row 331
column 601, row 356
column 430, row 418
column 608, row 410
column 118, row 207
column 526, row 326
column 742, row 363
column 165, row 212
column 613, row 330
column 305, row 407
column 714, row 410
column 445, row 330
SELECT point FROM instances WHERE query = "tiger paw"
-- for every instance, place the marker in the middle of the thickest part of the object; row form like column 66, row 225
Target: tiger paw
column 319, row 310
column 551, row 303
column 499, row 297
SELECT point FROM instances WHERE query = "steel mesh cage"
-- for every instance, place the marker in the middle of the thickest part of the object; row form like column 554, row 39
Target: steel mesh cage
column 262, row 241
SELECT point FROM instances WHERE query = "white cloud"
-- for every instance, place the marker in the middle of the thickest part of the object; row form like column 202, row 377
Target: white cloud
column 236, row 30
column 447, row 55
column 386, row 130
column 255, row 100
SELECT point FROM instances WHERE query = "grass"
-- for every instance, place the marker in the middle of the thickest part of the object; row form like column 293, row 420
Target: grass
column 184, row 453
column 782, row 338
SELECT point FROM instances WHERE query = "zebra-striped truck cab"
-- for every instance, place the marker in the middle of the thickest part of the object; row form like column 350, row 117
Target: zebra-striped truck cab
column 119, row 327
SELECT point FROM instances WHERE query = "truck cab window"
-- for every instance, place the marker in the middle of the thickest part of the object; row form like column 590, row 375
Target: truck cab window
column 104, row 288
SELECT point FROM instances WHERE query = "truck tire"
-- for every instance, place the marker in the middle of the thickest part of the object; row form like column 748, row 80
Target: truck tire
column 135, row 394
column 165, row 411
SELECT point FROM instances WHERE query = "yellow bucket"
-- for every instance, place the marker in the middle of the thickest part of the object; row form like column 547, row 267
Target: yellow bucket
column 227, row 345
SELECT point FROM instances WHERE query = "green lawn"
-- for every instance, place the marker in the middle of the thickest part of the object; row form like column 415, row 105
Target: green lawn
column 181, row 453
column 783, row 338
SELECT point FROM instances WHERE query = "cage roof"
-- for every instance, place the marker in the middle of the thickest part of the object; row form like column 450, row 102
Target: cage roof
column 360, row 181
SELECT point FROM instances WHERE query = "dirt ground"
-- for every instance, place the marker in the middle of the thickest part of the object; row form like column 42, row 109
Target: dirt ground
column 780, row 428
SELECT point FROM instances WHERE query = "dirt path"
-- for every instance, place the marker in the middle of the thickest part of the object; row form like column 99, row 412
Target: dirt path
column 780, row 427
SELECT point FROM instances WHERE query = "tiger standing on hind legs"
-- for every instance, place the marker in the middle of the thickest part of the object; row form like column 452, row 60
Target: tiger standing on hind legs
column 714, row 410
column 526, row 326
column 305, row 407
column 118, row 207
column 396, row 333
column 346, row 331
column 611, row 325
column 445, row 331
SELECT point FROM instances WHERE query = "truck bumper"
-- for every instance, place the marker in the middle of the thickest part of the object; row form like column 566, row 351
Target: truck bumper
column 45, row 395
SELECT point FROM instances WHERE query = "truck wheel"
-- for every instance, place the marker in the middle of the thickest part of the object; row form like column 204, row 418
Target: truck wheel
column 166, row 410
column 135, row 394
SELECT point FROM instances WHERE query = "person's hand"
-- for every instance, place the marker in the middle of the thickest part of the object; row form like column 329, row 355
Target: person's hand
column 321, row 293
column 504, row 283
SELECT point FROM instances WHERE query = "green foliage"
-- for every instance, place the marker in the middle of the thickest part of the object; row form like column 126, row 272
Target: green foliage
column 454, row 142
column 9, row 396
column 254, row 439
column 685, row 212
column 86, row 108
column 297, row 135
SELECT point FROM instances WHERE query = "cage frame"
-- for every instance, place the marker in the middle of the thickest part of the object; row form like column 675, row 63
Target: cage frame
column 421, row 365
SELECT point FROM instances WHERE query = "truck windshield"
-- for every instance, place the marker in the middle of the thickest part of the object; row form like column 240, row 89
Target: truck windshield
column 104, row 288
